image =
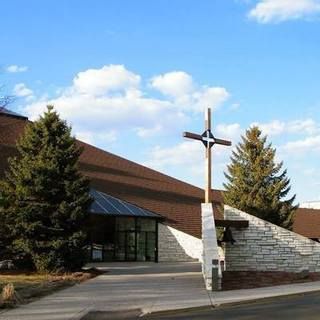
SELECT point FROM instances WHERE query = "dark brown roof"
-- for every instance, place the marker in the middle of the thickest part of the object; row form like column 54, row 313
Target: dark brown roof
column 178, row 201
column 307, row 222
column 6, row 112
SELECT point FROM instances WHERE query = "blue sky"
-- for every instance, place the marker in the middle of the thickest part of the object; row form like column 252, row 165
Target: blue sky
column 130, row 76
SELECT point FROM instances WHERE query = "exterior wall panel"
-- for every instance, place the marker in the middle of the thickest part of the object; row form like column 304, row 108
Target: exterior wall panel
column 264, row 246
column 175, row 245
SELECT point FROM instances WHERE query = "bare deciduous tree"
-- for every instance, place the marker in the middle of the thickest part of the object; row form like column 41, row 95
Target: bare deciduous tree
column 5, row 99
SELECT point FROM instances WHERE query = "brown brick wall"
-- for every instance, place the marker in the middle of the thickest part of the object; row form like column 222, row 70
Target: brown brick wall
column 232, row 280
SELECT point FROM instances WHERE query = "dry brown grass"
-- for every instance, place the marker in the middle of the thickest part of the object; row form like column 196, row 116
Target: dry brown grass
column 8, row 292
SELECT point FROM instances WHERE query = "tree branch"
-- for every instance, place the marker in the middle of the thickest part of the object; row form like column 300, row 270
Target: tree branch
column 5, row 100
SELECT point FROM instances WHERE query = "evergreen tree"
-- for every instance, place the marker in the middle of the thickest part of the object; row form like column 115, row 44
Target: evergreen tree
column 5, row 234
column 47, row 197
column 256, row 184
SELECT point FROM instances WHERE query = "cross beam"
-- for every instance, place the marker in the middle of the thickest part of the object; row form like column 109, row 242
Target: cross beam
column 199, row 137
column 208, row 140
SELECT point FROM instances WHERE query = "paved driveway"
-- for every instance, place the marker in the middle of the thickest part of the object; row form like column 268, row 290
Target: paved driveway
column 143, row 287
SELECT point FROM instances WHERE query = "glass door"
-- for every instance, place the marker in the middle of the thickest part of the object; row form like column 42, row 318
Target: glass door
column 141, row 246
column 135, row 239
column 146, row 246
column 150, row 246
column 130, row 246
column 120, row 248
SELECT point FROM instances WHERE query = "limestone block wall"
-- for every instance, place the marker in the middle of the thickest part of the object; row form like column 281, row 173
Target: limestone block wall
column 264, row 246
column 175, row 245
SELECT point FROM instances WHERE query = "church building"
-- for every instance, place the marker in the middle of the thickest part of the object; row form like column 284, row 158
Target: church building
column 138, row 214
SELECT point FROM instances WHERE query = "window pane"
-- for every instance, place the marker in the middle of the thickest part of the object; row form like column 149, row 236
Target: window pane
column 151, row 246
column 148, row 225
column 125, row 224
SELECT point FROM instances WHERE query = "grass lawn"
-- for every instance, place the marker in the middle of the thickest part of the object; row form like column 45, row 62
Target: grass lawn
column 30, row 285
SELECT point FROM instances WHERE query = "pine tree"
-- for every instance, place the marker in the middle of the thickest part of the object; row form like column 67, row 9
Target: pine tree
column 256, row 183
column 47, row 197
column 5, row 234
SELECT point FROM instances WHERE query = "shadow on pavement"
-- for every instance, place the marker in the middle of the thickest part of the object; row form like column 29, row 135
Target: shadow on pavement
column 114, row 315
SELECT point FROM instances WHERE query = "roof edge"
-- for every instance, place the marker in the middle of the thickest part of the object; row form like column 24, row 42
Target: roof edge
column 8, row 113
column 148, row 168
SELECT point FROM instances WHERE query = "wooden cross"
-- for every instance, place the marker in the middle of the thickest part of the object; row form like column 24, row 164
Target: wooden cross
column 208, row 140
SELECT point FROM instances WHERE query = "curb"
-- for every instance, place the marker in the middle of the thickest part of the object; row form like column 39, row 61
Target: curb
column 174, row 311
column 265, row 299
column 228, row 304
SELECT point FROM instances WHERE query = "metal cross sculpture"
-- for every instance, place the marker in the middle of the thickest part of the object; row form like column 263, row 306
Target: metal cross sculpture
column 208, row 140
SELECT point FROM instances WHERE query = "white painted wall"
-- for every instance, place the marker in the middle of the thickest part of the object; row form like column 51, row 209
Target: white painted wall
column 175, row 245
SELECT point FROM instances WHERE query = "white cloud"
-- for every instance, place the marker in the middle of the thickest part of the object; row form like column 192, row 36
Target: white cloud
column 186, row 94
column 267, row 11
column 277, row 127
column 209, row 97
column 21, row 90
column 103, row 137
column 274, row 127
column 148, row 132
column 303, row 145
column 175, row 83
column 113, row 97
column 105, row 80
column 14, row 68
column 95, row 114
column 228, row 131
column 308, row 126
column 186, row 160
column 184, row 154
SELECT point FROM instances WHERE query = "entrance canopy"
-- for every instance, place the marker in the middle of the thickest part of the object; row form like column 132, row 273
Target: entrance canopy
column 111, row 206
column 121, row 231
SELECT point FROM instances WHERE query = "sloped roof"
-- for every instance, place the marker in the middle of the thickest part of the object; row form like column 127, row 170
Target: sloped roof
column 307, row 222
column 5, row 111
column 108, row 205
column 173, row 199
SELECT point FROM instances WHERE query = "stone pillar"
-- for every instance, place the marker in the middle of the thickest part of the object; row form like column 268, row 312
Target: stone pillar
column 210, row 264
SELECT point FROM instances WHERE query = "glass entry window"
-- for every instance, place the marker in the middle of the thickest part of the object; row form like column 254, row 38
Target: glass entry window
column 125, row 246
column 124, row 239
column 135, row 239
column 146, row 240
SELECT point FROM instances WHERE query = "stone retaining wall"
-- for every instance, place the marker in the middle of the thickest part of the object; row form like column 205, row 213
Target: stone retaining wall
column 264, row 246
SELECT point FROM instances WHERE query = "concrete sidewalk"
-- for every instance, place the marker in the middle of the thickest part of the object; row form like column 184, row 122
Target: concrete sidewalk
column 146, row 287
column 143, row 288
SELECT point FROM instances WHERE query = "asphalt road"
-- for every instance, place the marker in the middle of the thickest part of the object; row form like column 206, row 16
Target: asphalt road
column 305, row 307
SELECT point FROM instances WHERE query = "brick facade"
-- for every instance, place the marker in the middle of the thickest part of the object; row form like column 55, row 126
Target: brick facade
column 233, row 280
